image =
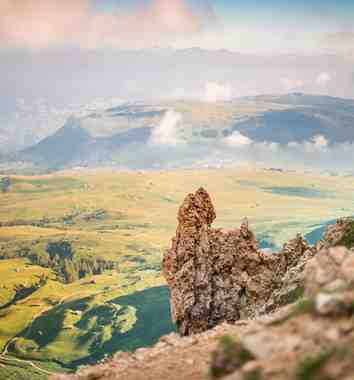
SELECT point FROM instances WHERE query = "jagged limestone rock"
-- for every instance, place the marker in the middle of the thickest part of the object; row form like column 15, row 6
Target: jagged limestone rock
column 339, row 234
column 216, row 275
column 330, row 270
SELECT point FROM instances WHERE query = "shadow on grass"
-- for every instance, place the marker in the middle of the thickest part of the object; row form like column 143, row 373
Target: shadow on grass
column 45, row 329
column 153, row 321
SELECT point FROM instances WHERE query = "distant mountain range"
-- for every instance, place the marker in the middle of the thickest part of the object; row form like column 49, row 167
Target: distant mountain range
column 303, row 117
column 182, row 133
column 34, row 106
column 73, row 144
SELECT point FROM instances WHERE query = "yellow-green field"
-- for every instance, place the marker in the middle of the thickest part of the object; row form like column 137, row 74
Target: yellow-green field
column 127, row 218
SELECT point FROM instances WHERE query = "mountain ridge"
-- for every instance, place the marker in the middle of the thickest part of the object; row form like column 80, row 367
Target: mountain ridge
column 190, row 130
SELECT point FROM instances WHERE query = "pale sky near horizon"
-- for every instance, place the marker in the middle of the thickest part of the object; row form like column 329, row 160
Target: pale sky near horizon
column 59, row 58
column 246, row 26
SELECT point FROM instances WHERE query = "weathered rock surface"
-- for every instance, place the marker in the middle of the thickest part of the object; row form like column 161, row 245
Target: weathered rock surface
column 341, row 233
column 330, row 270
column 220, row 276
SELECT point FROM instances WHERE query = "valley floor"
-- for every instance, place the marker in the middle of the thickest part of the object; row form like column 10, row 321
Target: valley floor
column 80, row 251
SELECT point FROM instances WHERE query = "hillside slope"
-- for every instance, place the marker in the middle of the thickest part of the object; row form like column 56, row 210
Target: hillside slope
column 75, row 145
column 310, row 339
column 289, row 345
column 187, row 132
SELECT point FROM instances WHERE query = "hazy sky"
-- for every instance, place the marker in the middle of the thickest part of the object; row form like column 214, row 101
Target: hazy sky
column 59, row 58
column 258, row 26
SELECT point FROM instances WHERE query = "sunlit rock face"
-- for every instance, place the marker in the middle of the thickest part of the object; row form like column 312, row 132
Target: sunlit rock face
column 331, row 270
column 216, row 275
column 339, row 234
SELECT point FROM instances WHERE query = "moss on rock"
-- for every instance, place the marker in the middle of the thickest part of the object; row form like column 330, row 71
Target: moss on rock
column 229, row 356
column 311, row 367
column 347, row 239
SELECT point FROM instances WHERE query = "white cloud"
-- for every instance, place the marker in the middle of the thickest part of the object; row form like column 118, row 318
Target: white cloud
column 238, row 140
column 290, row 84
column 320, row 142
column 317, row 143
column 271, row 146
column 316, row 152
column 166, row 133
column 293, row 144
column 323, row 79
column 218, row 92
column 47, row 23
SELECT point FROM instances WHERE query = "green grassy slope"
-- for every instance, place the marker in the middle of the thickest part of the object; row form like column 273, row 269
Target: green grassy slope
column 127, row 218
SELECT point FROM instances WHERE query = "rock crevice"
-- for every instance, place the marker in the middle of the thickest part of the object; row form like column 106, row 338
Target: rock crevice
column 220, row 276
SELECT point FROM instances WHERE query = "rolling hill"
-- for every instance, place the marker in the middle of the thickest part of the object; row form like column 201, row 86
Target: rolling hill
column 138, row 136
column 75, row 144
column 61, row 306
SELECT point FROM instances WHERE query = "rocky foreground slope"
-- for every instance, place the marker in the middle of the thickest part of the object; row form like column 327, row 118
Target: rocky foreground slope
column 249, row 315
column 218, row 275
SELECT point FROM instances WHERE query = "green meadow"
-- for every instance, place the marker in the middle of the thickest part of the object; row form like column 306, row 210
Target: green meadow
column 80, row 252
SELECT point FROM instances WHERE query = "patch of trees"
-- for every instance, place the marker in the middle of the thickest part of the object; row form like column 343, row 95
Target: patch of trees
column 66, row 220
column 7, row 254
column 95, row 215
column 22, row 291
column 60, row 250
column 5, row 184
column 61, row 257
column 74, row 270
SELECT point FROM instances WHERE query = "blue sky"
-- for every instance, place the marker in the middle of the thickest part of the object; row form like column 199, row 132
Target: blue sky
column 264, row 25
column 231, row 10
column 340, row 12
column 56, row 54
column 249, row 26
